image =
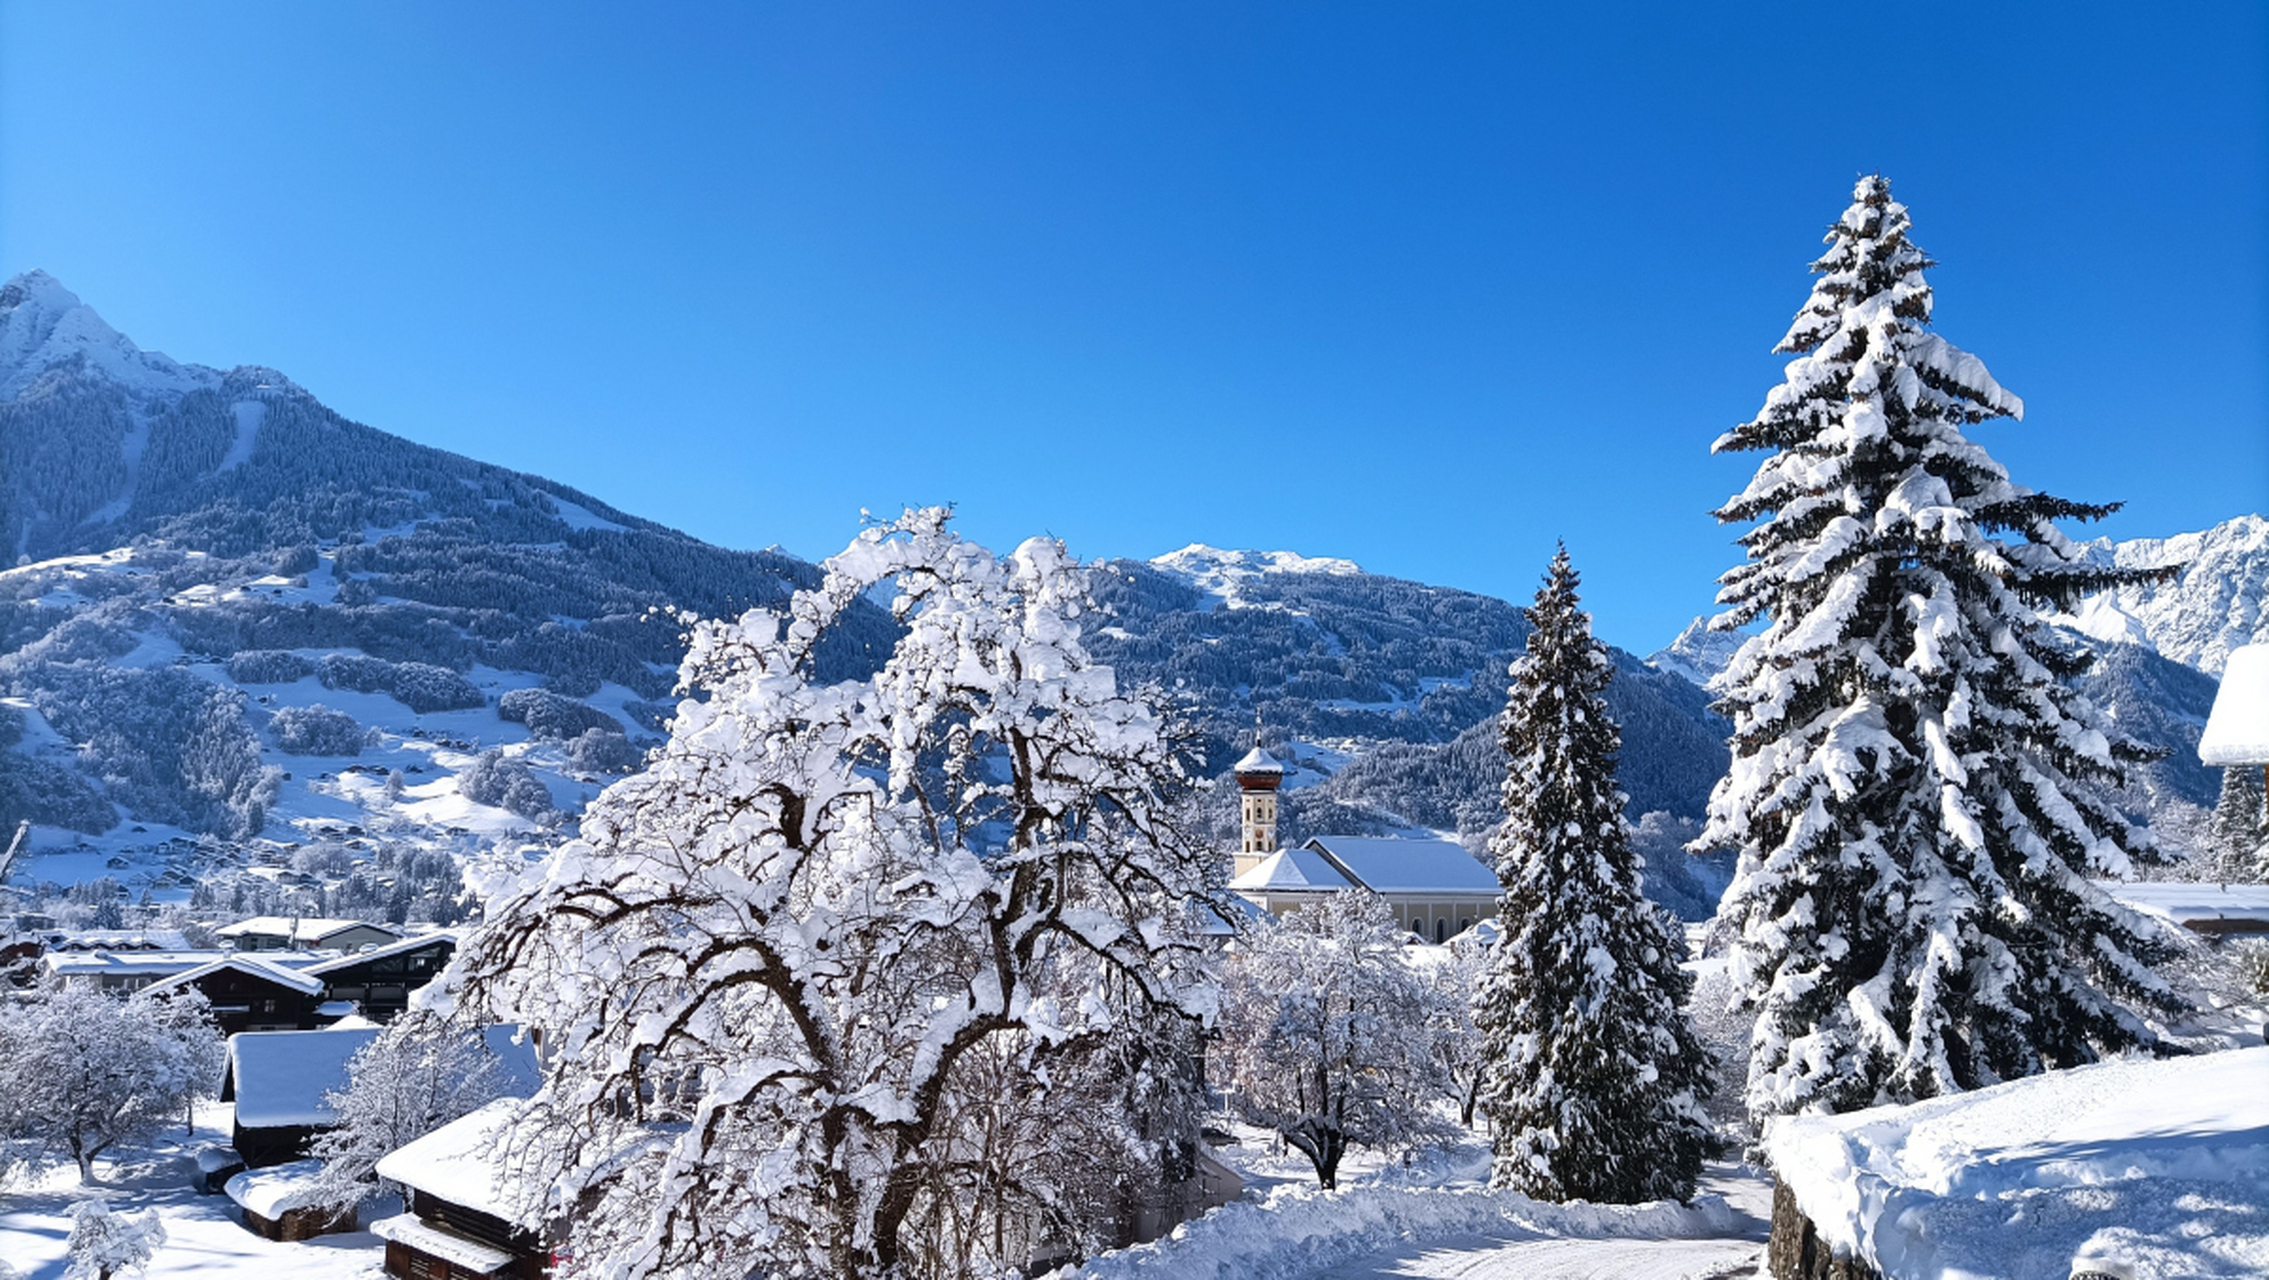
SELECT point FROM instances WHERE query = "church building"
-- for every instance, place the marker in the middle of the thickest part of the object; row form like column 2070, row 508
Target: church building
column 1436, row 888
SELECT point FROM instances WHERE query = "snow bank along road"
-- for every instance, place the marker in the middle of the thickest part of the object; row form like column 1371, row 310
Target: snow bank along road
column 1299, row 1233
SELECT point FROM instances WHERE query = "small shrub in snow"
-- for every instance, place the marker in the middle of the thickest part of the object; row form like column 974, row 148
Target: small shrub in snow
column 422, row 687
column 603, row 751
column 317, row 731
column 355, row 671
column 502, row 781
column 271, row 666
column 105, row 1244
column 548, row 715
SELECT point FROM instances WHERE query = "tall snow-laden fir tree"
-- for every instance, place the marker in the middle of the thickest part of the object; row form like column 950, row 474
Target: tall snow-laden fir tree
column 2239, row 826
column 1592, row 1074
column 1918, row 796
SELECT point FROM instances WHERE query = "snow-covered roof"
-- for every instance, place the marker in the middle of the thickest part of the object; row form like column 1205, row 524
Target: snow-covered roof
column 117, row 940
column 278, row 1078
column 2161, row 1162
column 2188, row 902
column 245, row 963
column 2237, row 732
column 415, row 942
column 276, row 1190
column 160, row 963
column 306, row 930
column 1408, row 866
column 1292, row 871
column 461, row 1162
column 1257, row 761
column 440, row 1242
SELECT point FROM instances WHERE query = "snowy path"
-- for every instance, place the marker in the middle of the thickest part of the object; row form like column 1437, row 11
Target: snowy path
column 1505, row 1258
column 1516, row 1254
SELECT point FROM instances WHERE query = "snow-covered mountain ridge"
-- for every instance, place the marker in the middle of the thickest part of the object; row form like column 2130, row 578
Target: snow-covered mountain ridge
column 44, row 326
column 2219, row 601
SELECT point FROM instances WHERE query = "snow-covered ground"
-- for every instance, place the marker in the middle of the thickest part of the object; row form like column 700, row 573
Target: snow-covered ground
column 2158, row 1168
column 204, row 1238
column 1434, row 1217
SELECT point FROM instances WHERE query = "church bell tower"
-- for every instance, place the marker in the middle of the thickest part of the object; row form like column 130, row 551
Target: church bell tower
column 1259, row 774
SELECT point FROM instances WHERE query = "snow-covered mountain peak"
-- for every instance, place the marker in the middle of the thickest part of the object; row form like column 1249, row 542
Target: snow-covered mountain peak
column 2219, row 601
column 1698, row 654
column 1220, row 573
column 43, row 324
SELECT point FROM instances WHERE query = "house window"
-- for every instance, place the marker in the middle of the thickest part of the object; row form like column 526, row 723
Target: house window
column 1442, row 929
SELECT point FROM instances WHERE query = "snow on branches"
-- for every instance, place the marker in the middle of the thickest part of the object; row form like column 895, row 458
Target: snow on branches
column 1329, row 1035
column 104, row 1245
column 762, row 964
column 1918, row 796
column 83, row 1071
column 1593, row 1076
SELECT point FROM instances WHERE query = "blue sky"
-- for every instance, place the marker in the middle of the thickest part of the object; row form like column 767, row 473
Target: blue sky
column 1427, row 287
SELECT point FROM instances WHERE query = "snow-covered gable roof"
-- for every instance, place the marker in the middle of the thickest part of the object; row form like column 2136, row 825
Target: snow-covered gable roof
column 460, row 1162
column 1408, row 866
column 252, row 965
column 73, row 964
column 2237, row 731
column 1293, row 871
column 306, row 930
column 2234, row 907
column 415, row 942
column 278, row 1078
column 1257, row 761
column 2160, row 1161
column 277, row 1190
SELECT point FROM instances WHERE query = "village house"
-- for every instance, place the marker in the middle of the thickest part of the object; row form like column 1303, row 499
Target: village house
column 305, row 933
column 460, row 1219
column 277, row 1202
column 277, row 1080
column 125, row 972
column 1436, row 889
column 252, row 993
column 378, row 980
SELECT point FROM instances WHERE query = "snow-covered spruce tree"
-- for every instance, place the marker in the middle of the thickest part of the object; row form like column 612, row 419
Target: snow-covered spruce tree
column 419, row 1074
column 1917, row 795
column 766, row 957
column 2238, row 827
column 1327, row 1033
column 1592, row 1077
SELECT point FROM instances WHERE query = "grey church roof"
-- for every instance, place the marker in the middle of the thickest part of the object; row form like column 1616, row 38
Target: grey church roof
column 1407, row 866
column 1293, row 871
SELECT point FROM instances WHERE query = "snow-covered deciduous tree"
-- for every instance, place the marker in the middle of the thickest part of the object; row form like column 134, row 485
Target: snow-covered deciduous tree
column 1451, row 977
column 1594, row 1079
column 2240, row 832
column 105, row 1244
column 1918, row 796
column 419, row 1074
column 83, row 1071
column 1326, row 1033
column 768, row 955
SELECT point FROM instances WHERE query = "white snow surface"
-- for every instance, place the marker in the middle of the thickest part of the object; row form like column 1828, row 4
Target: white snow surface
column 276, row 1190
column 280, row 1077
column 1302, row 1232
column 2161, row 1166
column 2237, row 731
column 458, row 1162
column 2183, row 901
